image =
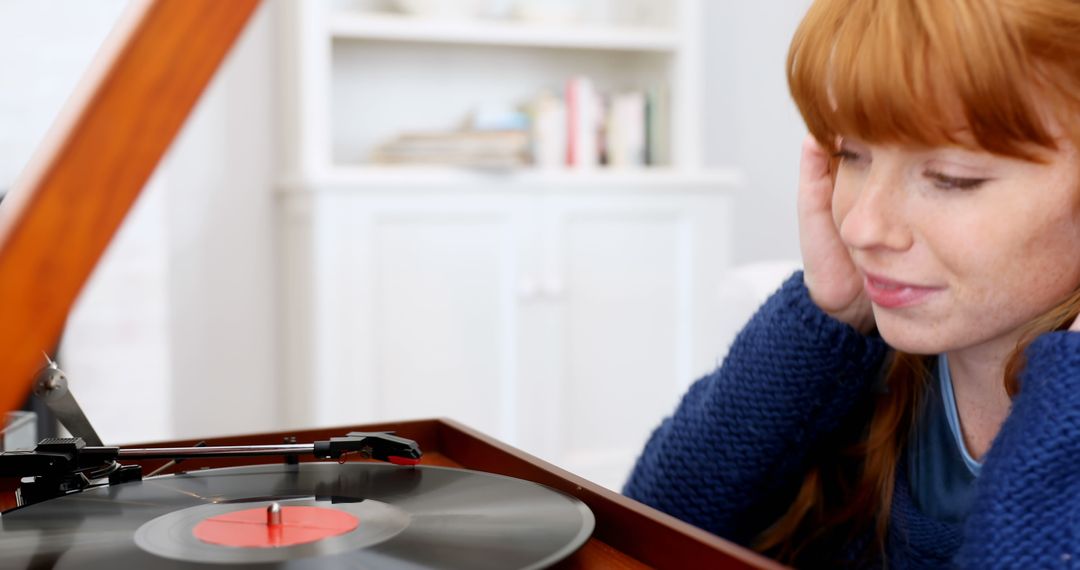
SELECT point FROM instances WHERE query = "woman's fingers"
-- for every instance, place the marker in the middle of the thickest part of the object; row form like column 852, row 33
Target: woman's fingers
column 815, row 181
column 824, row 255
column 829, row 273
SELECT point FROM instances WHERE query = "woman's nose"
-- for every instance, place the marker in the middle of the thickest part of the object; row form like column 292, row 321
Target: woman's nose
column 876, row 218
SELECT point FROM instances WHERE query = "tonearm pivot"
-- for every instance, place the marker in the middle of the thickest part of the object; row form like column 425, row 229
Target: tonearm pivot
column 58, row 466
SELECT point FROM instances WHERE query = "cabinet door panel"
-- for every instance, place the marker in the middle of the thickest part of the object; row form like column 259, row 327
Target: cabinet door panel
column 415, row 311
column 626, row 325
column 638, row 275
column 623, row 322
column 443, row 314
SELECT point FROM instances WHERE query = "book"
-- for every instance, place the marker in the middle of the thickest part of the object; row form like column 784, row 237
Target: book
column 548, row 130
column 582, row 123
column 485, row 149
column 625, row 142
column 657, row 120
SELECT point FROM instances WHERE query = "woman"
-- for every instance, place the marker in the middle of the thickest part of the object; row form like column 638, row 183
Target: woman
column 912, row 397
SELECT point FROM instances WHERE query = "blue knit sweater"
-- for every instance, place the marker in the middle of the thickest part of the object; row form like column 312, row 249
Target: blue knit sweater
column 732, row 456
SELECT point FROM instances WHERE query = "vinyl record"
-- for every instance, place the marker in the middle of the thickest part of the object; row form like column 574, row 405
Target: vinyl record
column 356, row 515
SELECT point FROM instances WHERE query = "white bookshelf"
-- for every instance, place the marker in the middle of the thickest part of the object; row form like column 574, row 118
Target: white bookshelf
column 512, row 300
column 659, row 180
column 353, row 78
column 398, row 28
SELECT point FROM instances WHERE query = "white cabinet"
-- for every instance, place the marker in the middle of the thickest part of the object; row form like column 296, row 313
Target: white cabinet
column 627, row 322
column 562, row 311
column 414, row 305
column 562, row 318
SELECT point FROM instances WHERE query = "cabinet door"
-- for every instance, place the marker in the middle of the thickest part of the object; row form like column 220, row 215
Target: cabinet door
column 415, row 308
column 635, row 278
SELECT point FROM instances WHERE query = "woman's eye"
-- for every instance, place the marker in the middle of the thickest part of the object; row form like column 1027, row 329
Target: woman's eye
column 945, row 182
column 847, row 155
column 850, row 158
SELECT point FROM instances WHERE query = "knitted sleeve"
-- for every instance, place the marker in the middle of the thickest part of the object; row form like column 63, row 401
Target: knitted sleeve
column 1026, row 512
column 741, row 434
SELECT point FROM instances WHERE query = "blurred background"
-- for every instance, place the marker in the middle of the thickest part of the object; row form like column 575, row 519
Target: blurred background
column 542, row 218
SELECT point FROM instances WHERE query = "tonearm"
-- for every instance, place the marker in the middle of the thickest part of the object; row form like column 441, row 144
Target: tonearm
column 58, row 466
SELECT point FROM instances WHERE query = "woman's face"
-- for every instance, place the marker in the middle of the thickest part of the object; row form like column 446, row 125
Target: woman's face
column 958, row 248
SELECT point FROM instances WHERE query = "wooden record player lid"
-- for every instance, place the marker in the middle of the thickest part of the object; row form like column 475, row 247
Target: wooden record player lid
column 66, row 205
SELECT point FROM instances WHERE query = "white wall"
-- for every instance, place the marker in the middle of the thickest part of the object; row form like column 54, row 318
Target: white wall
column 222, row 291
column 751, row 121
column 44, row 47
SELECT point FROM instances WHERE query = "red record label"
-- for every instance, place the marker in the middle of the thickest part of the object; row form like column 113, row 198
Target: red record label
column 249, row 528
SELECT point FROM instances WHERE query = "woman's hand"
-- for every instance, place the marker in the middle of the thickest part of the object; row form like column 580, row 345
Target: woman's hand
column 828, row 271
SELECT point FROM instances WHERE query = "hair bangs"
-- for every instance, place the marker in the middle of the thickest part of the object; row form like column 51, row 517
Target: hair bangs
column 918, row 72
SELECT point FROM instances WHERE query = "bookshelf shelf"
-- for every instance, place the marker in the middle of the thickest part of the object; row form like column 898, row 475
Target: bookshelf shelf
column 379, row 178
column 346, row 25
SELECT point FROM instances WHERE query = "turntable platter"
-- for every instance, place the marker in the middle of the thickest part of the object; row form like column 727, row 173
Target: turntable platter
column 363, row 515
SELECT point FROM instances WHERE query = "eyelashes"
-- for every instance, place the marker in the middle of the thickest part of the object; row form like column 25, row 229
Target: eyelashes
column 846, row 155
column 940, row 180
column 946, row 182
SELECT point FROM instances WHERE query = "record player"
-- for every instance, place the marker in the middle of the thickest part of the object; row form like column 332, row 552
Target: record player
column 81, row 504
column 417, row 494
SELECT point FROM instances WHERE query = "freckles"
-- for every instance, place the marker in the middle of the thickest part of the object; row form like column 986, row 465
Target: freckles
column 1047, row 268
column 845, row 192
column 1055, row 240
column 1054, row 277
column 840, row 207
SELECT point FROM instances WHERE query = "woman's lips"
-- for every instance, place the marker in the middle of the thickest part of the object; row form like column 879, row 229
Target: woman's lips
column 890, row 294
